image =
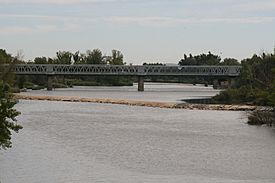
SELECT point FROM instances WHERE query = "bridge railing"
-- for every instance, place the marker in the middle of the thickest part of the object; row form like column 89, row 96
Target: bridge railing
column 56, row 69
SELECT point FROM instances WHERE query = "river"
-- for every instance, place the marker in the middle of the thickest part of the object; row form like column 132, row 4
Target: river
column 87, row 142
column 157, row 92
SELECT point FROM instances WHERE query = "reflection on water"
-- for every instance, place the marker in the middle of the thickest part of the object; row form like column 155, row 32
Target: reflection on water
column 85, row 142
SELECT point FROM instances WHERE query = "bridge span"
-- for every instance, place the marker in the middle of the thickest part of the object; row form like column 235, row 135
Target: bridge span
column 51, row 70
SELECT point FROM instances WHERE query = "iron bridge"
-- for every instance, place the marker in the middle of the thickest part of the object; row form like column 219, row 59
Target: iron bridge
column 129, row 70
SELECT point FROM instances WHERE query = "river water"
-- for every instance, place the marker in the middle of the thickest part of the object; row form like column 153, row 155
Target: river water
column 66, row 142
column 160, row 92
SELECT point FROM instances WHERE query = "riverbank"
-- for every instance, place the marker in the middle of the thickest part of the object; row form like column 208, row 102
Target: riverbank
column 142, row 103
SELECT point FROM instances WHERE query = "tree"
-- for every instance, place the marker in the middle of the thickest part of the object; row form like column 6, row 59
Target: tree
column 7, row 112
column 256, row 83
column 50, row 60
column 64, row 57
column 40, row 60
column 5, row 58
column 6, row 75
column 79, row 58
column 202, row 59
column 116, row 58
column 94, row 57
column 272, row 95
column 7, row 116
column 230, row 61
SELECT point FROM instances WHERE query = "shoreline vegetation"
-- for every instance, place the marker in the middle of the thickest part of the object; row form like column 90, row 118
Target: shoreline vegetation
column 254, row 87
column 169, row 105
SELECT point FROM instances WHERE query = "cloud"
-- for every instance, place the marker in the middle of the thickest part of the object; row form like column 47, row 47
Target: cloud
column 245, row 20
column 168, row 21
column 53, row 1
column 146, row 21
column 28, row 16
column 256, row 5
column 62, row 23
column 23, row 30
column 244, row 5
column 49, row 17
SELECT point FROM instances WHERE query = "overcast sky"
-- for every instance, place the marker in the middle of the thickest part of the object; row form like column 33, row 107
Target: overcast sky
column 144, row 30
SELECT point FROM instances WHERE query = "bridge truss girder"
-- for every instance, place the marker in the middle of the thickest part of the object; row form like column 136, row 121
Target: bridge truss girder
column 47, row 69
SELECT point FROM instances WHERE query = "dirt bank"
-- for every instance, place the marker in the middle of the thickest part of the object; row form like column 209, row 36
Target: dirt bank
column 141, row 103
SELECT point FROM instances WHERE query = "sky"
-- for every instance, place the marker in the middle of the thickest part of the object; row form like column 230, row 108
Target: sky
column 143, row 30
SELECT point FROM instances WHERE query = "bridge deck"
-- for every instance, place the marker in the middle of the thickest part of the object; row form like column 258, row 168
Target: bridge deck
column 148, row 70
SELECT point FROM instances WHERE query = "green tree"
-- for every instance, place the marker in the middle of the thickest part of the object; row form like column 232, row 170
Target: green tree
column 5, row 58
column 202, row 59
column 230, row 61
column 79, row 58
column 256, row 83
column 6, row 75
column 94, row 57
column 7, row 112
column 272, row 95
column 40, row 60
column 116, row 58
column 63, row 57
column 7, row 116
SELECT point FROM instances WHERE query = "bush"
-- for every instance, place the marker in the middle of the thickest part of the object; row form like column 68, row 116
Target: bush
column 261, row 118
column 256, row 84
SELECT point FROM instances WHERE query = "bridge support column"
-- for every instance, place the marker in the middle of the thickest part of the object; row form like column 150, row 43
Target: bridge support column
column 140, row 83
column 50, row 82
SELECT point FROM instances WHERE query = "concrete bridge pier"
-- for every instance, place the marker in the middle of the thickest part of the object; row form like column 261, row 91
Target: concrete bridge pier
column 50, row 82
column 140, row 83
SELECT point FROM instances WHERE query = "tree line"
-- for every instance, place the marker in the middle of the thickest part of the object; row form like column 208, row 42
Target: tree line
column 94, row 56
column 207, row 59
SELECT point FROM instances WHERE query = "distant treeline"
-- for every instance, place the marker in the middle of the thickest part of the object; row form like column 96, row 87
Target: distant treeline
column 202, row 59
column 94, row 56
column 90, row 57
column 207, row 59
